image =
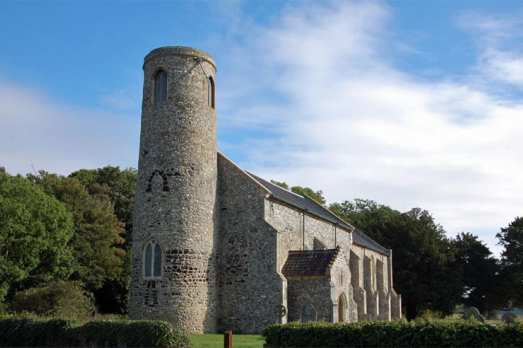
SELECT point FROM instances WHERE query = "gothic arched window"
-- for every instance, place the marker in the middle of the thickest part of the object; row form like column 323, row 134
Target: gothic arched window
column 210, row 93
column 160, row 86
column 152, row 260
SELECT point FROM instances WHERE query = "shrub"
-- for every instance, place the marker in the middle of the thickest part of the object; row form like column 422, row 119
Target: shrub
column 142, row 333
column 420, row 333
column 4, row 309
column 64, row 299
column 430, row 314
column 33, row 332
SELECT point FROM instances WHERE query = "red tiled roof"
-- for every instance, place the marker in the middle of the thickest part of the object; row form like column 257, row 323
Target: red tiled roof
column 309, row 263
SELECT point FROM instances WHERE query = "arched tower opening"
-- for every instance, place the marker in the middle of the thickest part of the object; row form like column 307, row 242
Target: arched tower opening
column 160, row 86
column 342, row 308
column 210, row 93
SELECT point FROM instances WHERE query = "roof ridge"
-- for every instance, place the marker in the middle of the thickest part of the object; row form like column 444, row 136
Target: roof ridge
column 328, row 211
column 245, row 172
column 283, row 188
column 365, row 236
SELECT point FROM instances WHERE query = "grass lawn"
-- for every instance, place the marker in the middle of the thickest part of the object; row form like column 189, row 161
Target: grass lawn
column 216, row 340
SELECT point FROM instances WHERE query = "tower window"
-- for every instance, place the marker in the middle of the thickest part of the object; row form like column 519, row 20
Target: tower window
column 160, row 86
column 153, row 261
column 210, row 93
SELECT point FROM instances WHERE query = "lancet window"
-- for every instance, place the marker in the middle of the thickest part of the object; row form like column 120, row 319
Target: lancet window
column 210, row 93
column 160, row 86
column 153, row 258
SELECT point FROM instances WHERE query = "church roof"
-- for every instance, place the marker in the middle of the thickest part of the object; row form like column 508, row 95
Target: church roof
column 309, row 263
column 313, row 207
column 302, row 202
column 362, row 239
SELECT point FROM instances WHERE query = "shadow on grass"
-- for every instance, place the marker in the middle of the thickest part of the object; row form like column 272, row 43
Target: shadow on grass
column 216, row 340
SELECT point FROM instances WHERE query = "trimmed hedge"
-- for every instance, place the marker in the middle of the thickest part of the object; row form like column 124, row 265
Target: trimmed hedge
column 140, row 333
column 32, row 332
column 442, row 333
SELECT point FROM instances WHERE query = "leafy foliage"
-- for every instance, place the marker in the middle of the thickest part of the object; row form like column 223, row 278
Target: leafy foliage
column 64, row 299
column 31, row 332
column 140, row 333
column 97, row 256
column 480, row 272
column 316, row 195
column 280, row 184
column 511, row 238
column 423, row 257
column 120, row 186
column 419, row 333
column 35, row 229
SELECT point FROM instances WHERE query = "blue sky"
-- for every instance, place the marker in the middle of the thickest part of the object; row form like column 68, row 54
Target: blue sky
column 408, row 103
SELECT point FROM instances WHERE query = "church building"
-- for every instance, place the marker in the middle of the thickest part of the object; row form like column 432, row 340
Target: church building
column 218, row 248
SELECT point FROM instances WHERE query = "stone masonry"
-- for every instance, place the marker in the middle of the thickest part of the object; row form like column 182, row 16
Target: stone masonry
column 211, row 241
column 175, row 199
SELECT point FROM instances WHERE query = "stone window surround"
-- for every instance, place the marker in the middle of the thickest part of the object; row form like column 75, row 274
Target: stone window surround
column 211, row 93
column 153, row 243
column 155, row 79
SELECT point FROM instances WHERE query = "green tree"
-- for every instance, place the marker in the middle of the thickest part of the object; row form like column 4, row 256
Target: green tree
column 280, row 184
column 120, row 185
column 480, row 273
column 97, row 237
column 422, row 255
column 511, row 238
column 367, row 215
column 57, row 298
column 35, row 229
column 316, row 195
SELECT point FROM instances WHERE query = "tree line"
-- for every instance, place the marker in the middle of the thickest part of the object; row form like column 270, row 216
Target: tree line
column 75, row 228
column 78, row 228
column 431, row 271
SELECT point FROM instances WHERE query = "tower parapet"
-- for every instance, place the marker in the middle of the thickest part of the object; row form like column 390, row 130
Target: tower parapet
column 173, row 275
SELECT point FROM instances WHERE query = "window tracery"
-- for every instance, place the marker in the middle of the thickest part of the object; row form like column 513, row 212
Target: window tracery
column 160, row 86
column 153, row 259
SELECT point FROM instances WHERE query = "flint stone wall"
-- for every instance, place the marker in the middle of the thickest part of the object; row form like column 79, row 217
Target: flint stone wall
column 223, row 240
column 176, row 194
column 341, row 279
column 314, row 292
column 251, row 292
column 373, row 287
column 289, row 222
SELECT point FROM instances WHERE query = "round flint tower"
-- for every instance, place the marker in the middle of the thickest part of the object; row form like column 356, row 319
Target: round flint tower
column 173, row 274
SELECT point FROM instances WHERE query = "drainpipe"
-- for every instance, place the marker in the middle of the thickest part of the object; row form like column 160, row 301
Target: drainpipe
column 303, row 230
column 335, row 235
column 201, row 66
column 364, row 269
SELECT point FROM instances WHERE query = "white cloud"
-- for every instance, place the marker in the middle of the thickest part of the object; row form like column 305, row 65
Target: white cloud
column 36, row 130
column 349, row 122
column 324, row 105
column 498, row 39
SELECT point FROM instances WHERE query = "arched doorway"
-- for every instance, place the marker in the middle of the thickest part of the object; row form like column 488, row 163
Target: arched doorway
column 342, row 308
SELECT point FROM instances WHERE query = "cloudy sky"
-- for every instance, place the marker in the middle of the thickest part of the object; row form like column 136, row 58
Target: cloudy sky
column 408, row 103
